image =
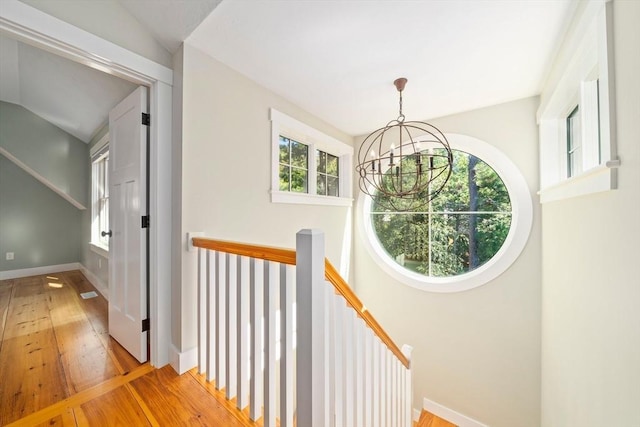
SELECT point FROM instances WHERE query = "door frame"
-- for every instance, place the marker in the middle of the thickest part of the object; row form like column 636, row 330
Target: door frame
column 41, row 30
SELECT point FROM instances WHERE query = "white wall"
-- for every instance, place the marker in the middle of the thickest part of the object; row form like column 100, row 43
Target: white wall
column 109, row 20
column 476, row 352
column 226, row 172
column 591, row 284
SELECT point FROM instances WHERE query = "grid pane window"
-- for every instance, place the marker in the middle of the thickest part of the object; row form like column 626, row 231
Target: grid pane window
column 328, row 174
column 101, row 199
column 294, row 166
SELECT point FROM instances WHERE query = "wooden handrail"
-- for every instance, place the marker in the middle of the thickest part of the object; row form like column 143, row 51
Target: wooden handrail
column 288, row 256
column 283, row 256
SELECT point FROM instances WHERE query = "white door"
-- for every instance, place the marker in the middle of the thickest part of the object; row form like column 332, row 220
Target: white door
column 128, row 204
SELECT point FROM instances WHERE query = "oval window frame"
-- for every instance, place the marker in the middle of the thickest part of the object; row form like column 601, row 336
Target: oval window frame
column 521, row 223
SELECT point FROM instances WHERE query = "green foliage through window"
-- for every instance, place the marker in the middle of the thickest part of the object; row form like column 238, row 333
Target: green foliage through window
column 457, row 232
column 294, row 166
column 328, row 175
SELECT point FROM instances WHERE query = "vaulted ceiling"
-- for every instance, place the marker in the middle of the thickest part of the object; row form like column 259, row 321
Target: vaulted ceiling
column 67, row 94
column 336, row 59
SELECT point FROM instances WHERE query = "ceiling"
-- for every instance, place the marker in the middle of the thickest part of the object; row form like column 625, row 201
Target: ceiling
column 170, row 21
column 335, row 59
column 67, row 94
column 338, row 59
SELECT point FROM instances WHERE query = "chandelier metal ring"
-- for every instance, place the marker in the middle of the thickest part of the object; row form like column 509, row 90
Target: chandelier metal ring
column 404, row 164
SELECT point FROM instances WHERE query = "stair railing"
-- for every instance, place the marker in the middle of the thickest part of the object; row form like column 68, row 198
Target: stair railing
column 318, row 356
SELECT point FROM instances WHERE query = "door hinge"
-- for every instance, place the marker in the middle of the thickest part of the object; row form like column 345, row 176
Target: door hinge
column 146, row 119
column 145, row 221
column 145, row 325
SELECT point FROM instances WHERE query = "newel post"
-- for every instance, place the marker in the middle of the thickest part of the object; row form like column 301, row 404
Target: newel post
column 312, row 389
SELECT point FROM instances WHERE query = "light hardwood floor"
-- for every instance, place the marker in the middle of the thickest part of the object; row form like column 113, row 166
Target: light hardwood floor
column 427, row 419
column 58, row 366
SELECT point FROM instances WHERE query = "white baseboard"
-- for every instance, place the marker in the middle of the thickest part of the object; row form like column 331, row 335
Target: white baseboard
column 416, row 415
column 37, row 271
column 95, row 281
column 181, row 362
column 450, row 415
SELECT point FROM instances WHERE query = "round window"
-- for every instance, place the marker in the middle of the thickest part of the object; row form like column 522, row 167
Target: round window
column 468, row 235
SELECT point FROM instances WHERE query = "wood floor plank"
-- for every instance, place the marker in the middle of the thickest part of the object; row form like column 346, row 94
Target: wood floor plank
column 180, row 400
column 31, row 372
column 427, row 419
column 6, row 287
column 97, row 309
column 64, row 419
column 116, row 408
column 84, row 357
column 76, row 400
column 231, row 406
column 49, row 330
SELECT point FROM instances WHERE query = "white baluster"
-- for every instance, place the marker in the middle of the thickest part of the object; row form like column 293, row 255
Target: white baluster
column 271, row 293
column 376, row 381
column 389, row 396
column 255, row 318
column 332, row 354
column 393, row 390
column 338, row 355
column 368, row 377
column 242, row 332
column 349, row 377
column 221, row 291
column 400, row 393
column 211, row 315
column 407, row 350
column 384, row 422
column 287, row 287
column 359, row 330
column 231, row 356
column 202, row 310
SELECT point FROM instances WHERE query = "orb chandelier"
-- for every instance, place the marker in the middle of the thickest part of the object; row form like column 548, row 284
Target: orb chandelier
column 405, row 164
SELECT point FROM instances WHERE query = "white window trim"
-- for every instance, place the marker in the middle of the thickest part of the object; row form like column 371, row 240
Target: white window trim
column 95, row 245
column 282, row 124
column 586, row 56
column 521, row 222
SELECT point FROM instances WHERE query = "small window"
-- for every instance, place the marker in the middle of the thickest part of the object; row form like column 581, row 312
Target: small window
column 328, row 174
column 576, row 115
column 309, row 167
column 574, row 143
column 100, row 200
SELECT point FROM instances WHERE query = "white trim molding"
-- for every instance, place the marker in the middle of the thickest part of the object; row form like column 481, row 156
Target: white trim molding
column 102, row 287
column 42, row 179
column 581, row 78
column 37, row 271
column 282, row 124
column 450, row 415
column 514, row 244
column 181, row 362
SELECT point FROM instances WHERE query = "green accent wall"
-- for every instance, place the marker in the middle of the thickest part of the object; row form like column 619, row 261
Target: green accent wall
column 56, row 155
column 36, row 224
column 39, row 226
